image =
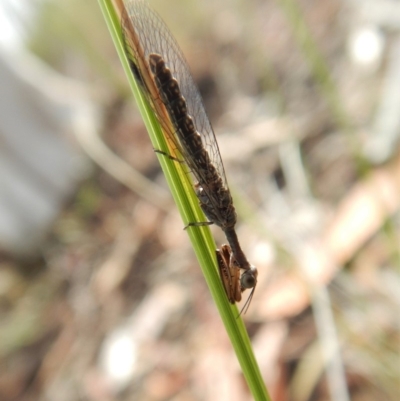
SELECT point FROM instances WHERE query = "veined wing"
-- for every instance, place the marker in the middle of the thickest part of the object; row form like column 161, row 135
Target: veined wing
column 145, row 33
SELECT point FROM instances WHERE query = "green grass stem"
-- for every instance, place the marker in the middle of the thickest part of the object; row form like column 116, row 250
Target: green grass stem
column 188, row 205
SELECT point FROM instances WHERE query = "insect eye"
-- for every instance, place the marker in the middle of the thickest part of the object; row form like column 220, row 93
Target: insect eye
column 248, row 280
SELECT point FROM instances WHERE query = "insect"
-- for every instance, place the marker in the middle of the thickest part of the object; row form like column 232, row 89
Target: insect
column 163, row 75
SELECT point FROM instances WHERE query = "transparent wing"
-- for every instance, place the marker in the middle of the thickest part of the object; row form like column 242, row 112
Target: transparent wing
column 153, row 36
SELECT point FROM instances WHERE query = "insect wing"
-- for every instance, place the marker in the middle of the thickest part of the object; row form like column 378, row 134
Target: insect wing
column 146, row 34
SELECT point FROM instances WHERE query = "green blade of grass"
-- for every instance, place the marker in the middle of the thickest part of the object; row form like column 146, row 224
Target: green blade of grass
column 188, row 205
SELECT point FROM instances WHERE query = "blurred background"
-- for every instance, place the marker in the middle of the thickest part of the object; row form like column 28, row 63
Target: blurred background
column 101, row 297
